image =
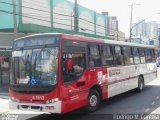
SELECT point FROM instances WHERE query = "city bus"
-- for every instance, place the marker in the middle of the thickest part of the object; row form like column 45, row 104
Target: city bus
column 59, row 73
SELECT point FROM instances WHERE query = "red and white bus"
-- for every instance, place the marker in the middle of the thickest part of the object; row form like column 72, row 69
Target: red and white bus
column 59, row 73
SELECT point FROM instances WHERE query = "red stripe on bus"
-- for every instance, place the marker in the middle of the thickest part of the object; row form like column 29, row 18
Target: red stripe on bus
column 129, row 78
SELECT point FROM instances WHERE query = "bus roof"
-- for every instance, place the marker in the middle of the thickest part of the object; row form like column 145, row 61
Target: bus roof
column 91, row 39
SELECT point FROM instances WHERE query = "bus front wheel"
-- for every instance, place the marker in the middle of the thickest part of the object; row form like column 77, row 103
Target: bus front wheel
column 140, row 84
column 93, row 100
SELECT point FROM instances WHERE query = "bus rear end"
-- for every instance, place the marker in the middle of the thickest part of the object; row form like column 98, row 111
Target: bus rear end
column 34, row 74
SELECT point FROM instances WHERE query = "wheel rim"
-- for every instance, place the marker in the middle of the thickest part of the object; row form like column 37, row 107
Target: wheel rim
column 93, row 100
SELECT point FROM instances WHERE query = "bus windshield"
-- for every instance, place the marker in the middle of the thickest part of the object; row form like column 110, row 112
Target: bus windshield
column 35, row 61
column 35, row 66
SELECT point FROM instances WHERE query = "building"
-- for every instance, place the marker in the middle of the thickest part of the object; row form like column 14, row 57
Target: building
column 112, row 24
column 106, row 14
column 139, row 28
column 158, row 34
column 118, row 36
column 4, row 65
column 152, row 30
column 146, row 31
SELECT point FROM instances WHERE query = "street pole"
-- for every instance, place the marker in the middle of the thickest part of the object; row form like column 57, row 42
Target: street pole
column 117, row 36
column 51, row 10
column 0, row 72
column 71, row 21
column 130, row 37
column 76, row 17
column 15, row 19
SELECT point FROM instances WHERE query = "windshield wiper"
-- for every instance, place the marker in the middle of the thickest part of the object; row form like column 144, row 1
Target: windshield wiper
column 36, row 58
column 27, row 67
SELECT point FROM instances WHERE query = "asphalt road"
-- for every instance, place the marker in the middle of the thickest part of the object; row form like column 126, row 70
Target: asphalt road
column 130, row 103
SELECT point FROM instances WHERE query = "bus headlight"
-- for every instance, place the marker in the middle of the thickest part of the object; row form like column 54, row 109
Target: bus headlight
column 47, row 102
column 55, row 100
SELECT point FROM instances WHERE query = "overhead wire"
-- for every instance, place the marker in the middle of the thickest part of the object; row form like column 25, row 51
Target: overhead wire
column 32, row 17
column 42, row 16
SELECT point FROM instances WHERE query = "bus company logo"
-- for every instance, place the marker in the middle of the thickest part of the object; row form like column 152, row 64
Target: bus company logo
column 38, row 98
column 114, row 72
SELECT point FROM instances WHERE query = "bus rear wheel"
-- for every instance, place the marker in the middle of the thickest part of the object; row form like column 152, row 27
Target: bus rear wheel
column 93, row 101
column 140, row 84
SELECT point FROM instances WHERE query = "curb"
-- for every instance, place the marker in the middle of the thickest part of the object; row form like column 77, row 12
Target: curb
column 4, row 93
column 4, row 97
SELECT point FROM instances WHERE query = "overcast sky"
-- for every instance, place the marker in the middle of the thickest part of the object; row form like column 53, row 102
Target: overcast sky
column 121, row 9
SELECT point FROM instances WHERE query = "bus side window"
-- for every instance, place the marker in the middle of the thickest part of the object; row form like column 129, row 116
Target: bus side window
column 128, row 57
column 107, row 55
column 118, row 56
column 148, row 55
column 153, row 55
column 136, row 55
column 73, row 65
column 142, row 55
column 94, row 56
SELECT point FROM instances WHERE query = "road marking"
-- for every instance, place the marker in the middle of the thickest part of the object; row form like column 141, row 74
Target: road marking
column 153, row 103
column 147, row 110
column 7, row 112
column 157, row 97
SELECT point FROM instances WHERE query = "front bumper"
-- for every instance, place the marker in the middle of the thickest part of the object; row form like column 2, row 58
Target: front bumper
column 56, row 106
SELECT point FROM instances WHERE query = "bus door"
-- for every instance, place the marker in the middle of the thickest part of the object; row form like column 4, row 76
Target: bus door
column 73, row 71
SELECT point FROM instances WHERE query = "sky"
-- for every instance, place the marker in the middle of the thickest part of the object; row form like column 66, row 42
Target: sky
column 145, row 9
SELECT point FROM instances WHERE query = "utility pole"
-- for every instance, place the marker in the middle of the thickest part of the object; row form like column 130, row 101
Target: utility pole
column 130, row 35
column 15, row 19
column 76, row 17
column 51, row 9
column 71, row 21
column 0, row 72
column 117, row 36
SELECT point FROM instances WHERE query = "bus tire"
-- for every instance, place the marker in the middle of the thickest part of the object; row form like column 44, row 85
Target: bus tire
column 140, row 84
column 93, row 100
